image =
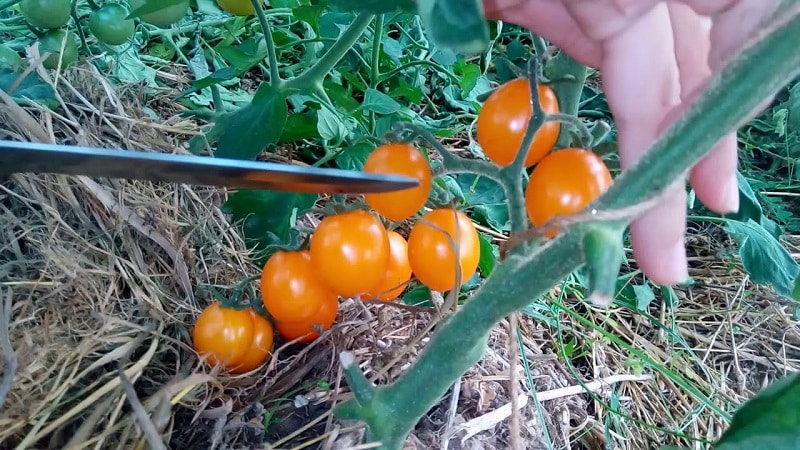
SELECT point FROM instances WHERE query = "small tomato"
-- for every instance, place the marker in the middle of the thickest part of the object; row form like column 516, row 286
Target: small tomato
column 350, row 252
column 503, row 120
column 564, row 183
column 432, row 256
column 399, row 159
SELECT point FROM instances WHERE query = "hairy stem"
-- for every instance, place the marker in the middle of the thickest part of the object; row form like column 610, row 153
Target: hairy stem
column 568, row 77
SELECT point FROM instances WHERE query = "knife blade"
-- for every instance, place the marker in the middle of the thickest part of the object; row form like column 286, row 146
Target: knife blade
column 33, row 157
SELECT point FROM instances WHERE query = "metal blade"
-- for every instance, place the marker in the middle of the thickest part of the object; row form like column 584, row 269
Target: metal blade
column 31, row 157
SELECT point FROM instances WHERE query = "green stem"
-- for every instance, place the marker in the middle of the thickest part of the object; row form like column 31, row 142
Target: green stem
column 375, row 69
column 328, row 61
column 272, row 56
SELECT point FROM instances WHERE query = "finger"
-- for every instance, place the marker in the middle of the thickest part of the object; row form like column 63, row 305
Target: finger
column 735, row 25
column 550, row 20
column 640, row 100
column 713, row 177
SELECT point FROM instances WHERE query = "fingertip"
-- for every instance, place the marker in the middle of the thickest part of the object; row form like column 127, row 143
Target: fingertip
column 713, row 178
column 658, row 241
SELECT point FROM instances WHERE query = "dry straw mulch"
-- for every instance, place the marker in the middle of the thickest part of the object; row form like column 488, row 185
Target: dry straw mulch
column 100, row 282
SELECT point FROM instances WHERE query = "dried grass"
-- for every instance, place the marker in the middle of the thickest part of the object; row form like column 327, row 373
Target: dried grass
column 99, row 286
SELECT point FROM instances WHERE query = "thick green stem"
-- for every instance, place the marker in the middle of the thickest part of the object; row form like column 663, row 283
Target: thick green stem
column 272, row 56
column 328, row 61
column 758, row 73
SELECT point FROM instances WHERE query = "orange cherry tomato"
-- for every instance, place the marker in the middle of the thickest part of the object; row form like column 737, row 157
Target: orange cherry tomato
column 504, row 117
column 290, row 289
column 397, row 274
column 431, row 255
column 236, row 338
column 399, row 159
column 304, row 330
column 260, row 347
column 564, row 183
column 350, row 252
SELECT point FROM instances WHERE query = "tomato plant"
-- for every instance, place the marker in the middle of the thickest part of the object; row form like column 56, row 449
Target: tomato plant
column 503, row 120
column 431, row 253
column 350, row 252
column 163, row 17
column 46, row 14
column 397, row 273
column 563, row 183
column 239, row 339
column 304, row 329
column 108, row 24
column 51, row 42
column 237, row 7
column 399, row 159
column 290, row 289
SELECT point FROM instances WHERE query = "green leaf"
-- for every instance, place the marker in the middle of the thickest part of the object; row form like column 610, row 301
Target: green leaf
column 418, row 295
column 644, row 296
column 487, row 199
column 374, row 6
column 750, row 208
column 793, row 107
column 310, row 14
column 770, row 420
column 267, row 217
column 379, row 102
column 244, row 56
column 31, row 88
column 9, row 59
column 353, row 157
column 216, row 77
column 248, row 131
column 458, row 25
column 300, row 126
column 764, row 258
column 488, row 258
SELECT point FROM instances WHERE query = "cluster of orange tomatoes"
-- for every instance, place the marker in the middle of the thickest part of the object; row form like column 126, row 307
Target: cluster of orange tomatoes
column 353, row 253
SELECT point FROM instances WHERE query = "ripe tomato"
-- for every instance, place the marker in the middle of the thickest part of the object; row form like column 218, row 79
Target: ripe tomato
column 397, row 273
column 564, row 183
column 290, row 290
column 350, row 252
column 51, row 43
column 504, row 117
column 163, row 17
column 399, row 159
column 260, row 346
column 431, row 255
column 108, row 24
column 239, row 339
column 237, row 7
column 304, row 330
column 46, row 14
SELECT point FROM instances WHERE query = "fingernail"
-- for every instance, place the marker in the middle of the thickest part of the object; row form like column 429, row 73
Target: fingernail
column 675, row 265
column 730, row 197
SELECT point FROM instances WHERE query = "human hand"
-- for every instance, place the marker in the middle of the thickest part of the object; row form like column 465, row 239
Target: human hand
column 655, row 58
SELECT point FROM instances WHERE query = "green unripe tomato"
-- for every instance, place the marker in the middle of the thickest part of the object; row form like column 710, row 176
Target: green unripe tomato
column 164, row 17
column 108, row 24
column 46, row 14
column 51, row 42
